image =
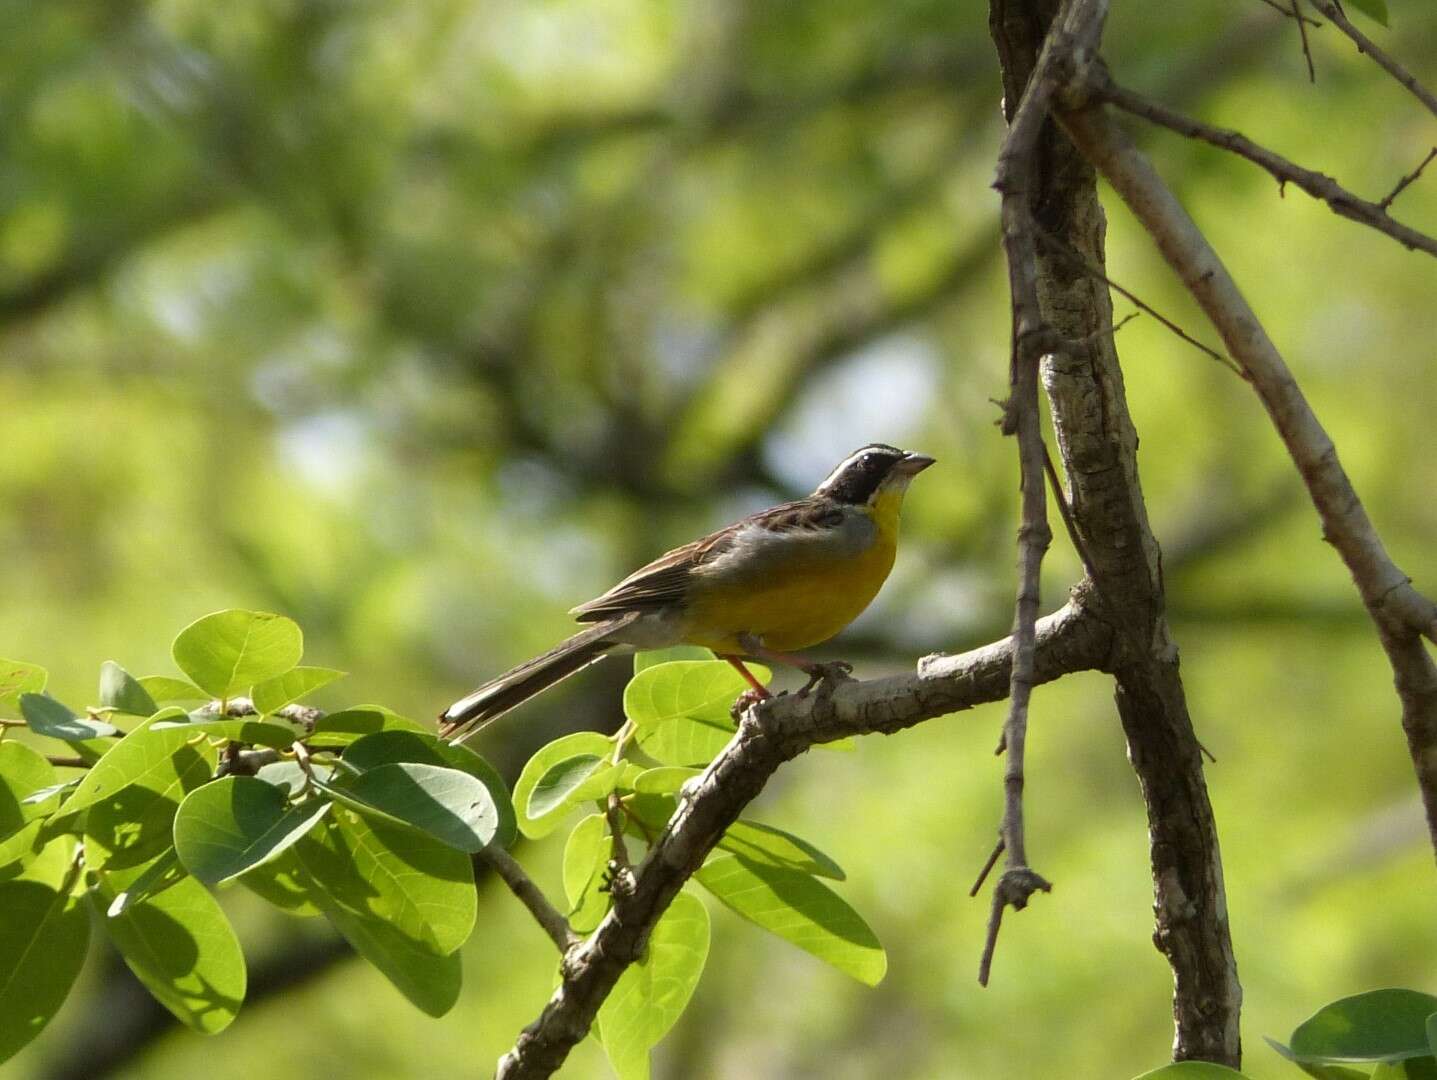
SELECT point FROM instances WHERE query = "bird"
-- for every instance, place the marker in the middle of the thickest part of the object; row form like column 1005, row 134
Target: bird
column 769, row 585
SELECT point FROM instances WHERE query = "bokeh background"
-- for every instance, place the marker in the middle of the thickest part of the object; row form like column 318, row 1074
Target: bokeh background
column 420, row 323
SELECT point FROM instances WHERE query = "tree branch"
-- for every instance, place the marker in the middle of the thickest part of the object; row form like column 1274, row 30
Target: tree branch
column 1341, row 201
column 530, row 895
column 770, row 734
column 1366, row 45
column 1401, row 614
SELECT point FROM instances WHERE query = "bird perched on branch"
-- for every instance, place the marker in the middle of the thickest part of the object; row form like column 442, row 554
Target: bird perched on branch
column 777, row 581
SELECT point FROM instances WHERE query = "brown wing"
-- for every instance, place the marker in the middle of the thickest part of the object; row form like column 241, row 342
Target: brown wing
column 665, row 580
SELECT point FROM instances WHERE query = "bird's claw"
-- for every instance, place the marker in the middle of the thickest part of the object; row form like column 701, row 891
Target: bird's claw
column 832, row 671
column 746, row 701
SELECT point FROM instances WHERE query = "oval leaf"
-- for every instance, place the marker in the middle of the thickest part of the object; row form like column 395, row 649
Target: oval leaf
column 162, row 688
column 655, row 657
column 1381, row 1025
column 23, row 772
column 140, row 755
column 17, row 677
column 580, row 743
column 226, row 652
column 237, row 823
column 449, row 805
column 681, row 708
column 156, row 878
column 384, row 747
column 43, row 939
column 375, row 871
column 277, row 736
column 46, row 716
column 557, row 787
column 274, row 694
column 121, row 691
column 665, row 780
column 651, row 995
column 1192, row 1070
column 586, row 856
column 181, row 946
column 800, row 909
column 344, row 727
column 766, row 844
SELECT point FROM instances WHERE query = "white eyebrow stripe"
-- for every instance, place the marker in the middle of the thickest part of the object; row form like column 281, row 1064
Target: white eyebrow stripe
column 845, row 463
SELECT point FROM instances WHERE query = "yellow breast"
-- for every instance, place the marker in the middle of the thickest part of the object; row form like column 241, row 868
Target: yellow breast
column 799, row 601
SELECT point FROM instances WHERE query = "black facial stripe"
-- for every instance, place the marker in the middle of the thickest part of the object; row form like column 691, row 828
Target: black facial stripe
column 858, row 477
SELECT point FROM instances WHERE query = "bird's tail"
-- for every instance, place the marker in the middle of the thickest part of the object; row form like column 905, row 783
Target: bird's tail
column 519, row 684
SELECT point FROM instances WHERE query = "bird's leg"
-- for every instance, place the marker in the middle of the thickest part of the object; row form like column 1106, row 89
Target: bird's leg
column 755, row 693
column 834, row 670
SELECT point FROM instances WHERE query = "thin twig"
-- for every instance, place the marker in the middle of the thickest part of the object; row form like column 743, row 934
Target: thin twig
column 1306, row 48
column 1287, row 13
column 1366, row 45
column 530, row 895
column 1341, row 201
column 67, row 762
column 987, row 867
column 1408, row 179
column 1083, row 263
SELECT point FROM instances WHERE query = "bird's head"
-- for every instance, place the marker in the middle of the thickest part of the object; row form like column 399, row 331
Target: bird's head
column 873, row 472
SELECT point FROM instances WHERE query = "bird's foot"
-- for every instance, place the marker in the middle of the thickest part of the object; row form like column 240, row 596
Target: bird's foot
column 746, row 701
column 833, row 671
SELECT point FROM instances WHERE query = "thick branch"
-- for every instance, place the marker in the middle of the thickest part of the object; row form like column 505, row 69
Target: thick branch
column 1399, row 611
column 1366, row 45
column 1342, row 202
column 770, row 734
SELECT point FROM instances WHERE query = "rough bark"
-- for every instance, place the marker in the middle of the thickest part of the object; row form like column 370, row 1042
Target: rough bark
column 1098, row 445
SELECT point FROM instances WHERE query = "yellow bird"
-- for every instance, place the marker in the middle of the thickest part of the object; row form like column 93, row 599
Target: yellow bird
column 777, row 581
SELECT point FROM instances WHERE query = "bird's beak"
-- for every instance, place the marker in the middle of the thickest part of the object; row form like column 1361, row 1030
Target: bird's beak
column 913, row 464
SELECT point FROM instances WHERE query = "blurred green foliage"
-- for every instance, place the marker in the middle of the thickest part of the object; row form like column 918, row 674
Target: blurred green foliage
column 421, row 323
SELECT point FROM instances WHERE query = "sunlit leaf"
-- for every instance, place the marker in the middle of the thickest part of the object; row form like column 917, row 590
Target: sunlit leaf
column 180, row 945
column 344, row 727
column 393, row 746
column 227, row 652
column 285, row 884
column 1192, row 1070
column 23, row 772
column 157, row 876
column 429, row 981
column 757, row 842
column 121, row 691
column 800, row 909
column 586, row 855
column 43, row 939
column 665, row 780
column 237, row 823
column 451, row 806
column 1381, row 1025
column 580, row 744
column 654, row 657
column 276, row 735
column 16, row 678
column 681, row 708
column 46, row 716
column 558, row 787
column 424, row 889
column 274, row 694
column 162, row 689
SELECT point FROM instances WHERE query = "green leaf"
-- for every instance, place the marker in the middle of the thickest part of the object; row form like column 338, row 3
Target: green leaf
column 681, row 708
column 23, row 772
column 651, row 995
column 761, row 843
column 156, row 877
column 1192, row 1070
column 581, row 743
column 226, row 652
column 283, row 882
column 277, row 736
column 586, row 856
column 144, row 756
column 180, row 945
column 430, row 982
column 422, row 748
column 288, row 776
column 665, row 780
column 16, row 678
column 423, row 888
column 1432, row 1033
column 800, row 909
column 162, row 688
column 446, row 804
column 344, row 727
column 46, row 716
column 133, row 792
column 558, row 786
column 655, row 657
column 274, row 694
column 121, row 691
column 1322, row 1072
column 1375, row 10
column 1415, row 1068
column 237, row 823
column 43, row 939
column 1381, row 1025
